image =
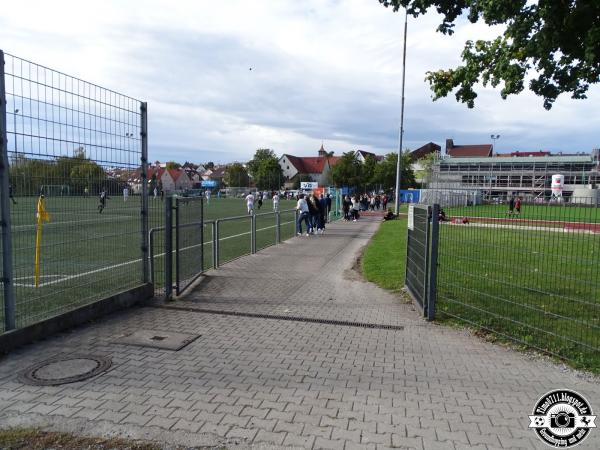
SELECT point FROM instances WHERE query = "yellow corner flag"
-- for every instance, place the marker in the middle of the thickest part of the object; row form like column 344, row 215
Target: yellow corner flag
column 42, row 216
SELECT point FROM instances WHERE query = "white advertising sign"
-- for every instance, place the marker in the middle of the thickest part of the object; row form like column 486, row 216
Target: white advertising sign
column 411, row 217
column 309, row 185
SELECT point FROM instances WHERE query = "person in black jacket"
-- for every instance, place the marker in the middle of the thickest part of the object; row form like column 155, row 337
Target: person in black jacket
column 313, row 211
column 322, row 213
column 346, row 204
column 328, row 202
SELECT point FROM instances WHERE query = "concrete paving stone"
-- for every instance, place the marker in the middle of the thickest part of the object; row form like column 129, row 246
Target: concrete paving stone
column 262, row 424
column 344, row 434
column 267, row 404
column 112, row 406
column 329, row 412
column 222, row 399
column 212, row 428
column 208, row 417
column 160, row 411
column 288, row 427
column 360, row 425
column 352, row 445
column 229, row 409
column 88, row 413
column 432, row 444
column 245, row 434
column 186, row 414
column 406, row 442
column 254, row 412
column 157, row 401
column 112, row 416
column 20, row 407
column 322, row 443
column 485, row 439
column 41, row 408
column 368, row 436
column 280, row 415
column 387, row 428
column 136, row 419
column 454, row 436
column 327, row 421
column 267, row 436
column 293, row 440
column 234, row 420
column 311, row 430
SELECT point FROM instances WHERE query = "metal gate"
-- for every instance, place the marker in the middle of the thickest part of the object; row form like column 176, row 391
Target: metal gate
column 189, row 241
column 421, row 256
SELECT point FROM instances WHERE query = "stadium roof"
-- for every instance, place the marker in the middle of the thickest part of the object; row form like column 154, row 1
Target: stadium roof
column 520, row 159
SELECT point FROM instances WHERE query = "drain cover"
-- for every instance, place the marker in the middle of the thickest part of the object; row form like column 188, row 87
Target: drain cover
column 165, row 340
column 65, row 369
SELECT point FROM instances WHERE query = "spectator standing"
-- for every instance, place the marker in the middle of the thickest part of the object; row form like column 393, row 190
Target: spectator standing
column 276, row 202
column 511, row 205
column 11, row 194
column 322, row 214
column 313, row 210
column 303, row 215
column 384, row 201
column 346, row 205
column 355, row 209
column 328, row 210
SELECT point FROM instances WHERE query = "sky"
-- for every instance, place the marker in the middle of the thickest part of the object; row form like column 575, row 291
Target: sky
column 321, row 71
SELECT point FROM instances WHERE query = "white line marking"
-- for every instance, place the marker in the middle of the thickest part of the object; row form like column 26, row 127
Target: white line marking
column 527, row 228
column 115, row 266
column 75, row 222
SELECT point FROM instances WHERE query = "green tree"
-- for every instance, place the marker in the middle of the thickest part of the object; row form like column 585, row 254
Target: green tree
column 347, row 171
column 236, row 175
column 385, row 172
column 173, row 165
column 265, row 170
column 300, row 178
column 368, row 171
column 556, row 44
column 209, row 165
column 426, row 163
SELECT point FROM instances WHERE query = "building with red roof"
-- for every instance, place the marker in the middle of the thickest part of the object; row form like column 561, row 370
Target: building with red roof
column 468, row 151
column 314, row 167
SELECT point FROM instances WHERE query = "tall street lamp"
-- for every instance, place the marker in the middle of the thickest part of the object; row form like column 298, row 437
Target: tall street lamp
column 494, row 137
column 399, row 162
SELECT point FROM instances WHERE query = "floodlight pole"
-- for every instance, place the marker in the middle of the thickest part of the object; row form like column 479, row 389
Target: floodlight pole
column 401, row 133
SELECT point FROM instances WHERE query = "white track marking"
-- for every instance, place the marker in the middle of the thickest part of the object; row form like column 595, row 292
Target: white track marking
column 522, row 227
column 115, row 266
column 75, row 222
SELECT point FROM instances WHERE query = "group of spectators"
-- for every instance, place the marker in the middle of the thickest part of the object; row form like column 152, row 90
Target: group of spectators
column 351, row 206
column 314, row 212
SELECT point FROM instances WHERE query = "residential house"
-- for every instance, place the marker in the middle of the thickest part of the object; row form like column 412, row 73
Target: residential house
column 313, row 168
column 361, row 156
column 416, row 157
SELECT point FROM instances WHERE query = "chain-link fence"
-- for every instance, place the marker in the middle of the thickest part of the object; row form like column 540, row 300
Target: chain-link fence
column 525, row 271
column 74, row 146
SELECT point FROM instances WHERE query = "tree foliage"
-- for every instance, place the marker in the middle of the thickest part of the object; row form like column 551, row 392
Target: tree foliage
column 265, row 170
column 347, row 171
column 171, row 165
column 385, row 172
column 236, row 175
column 78, row 172
column 555, row 43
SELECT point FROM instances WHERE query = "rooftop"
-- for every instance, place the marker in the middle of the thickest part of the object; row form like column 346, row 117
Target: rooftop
column 521, row 160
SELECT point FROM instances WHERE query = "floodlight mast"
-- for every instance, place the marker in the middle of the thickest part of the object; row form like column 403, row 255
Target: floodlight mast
column 401, row 133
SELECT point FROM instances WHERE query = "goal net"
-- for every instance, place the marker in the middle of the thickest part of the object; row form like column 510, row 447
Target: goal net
column 55, row 190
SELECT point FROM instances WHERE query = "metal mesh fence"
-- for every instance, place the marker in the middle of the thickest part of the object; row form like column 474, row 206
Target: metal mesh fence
column 189, row 241
column 527, row 272
column 70, row 141
column 417, row 251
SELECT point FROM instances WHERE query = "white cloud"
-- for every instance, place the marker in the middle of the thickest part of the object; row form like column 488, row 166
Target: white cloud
column 321, row 69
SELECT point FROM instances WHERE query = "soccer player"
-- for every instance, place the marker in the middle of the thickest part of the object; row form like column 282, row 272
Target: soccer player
column 250, row 203
column 103, row 198
column 276, row 202
column 208, row 197
column 11, row 194
column 125, row 193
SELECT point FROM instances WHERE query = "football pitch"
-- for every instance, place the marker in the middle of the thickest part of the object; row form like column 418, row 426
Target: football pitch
column 87, row 255
column 533, row 277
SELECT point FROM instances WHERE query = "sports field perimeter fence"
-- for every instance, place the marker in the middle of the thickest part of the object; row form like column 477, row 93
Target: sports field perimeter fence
column 528, row 275
column 68, row 140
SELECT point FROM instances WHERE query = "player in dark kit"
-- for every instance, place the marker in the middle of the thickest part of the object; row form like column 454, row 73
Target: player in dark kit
column 103, row 198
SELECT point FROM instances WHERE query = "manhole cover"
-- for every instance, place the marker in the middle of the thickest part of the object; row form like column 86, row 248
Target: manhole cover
column 65, row 369
column 165, row 340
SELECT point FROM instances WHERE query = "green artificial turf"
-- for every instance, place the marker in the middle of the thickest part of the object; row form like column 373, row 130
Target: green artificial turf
column 538, row 286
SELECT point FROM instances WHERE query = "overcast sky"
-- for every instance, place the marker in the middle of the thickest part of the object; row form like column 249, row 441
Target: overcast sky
column 322, row 70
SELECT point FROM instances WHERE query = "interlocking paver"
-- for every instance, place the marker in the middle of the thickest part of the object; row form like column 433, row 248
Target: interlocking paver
column 273, row 382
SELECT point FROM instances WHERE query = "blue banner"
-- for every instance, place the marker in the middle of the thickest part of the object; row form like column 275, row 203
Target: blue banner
column 208, row 183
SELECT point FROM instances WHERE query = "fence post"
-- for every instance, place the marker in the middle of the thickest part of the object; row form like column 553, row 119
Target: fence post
column 7, row 268
column 215, row 243
column 177, row 245
column 144, row 176
column 277, row 228
column 202, row 234
column 151, row 244
column 253, row 233
column 168, row 247
column 435, row 233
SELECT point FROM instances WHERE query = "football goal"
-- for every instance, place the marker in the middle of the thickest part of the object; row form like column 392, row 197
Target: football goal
column 55, row 190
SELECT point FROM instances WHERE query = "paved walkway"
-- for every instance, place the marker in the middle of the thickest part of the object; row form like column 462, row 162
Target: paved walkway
column 255, row 379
